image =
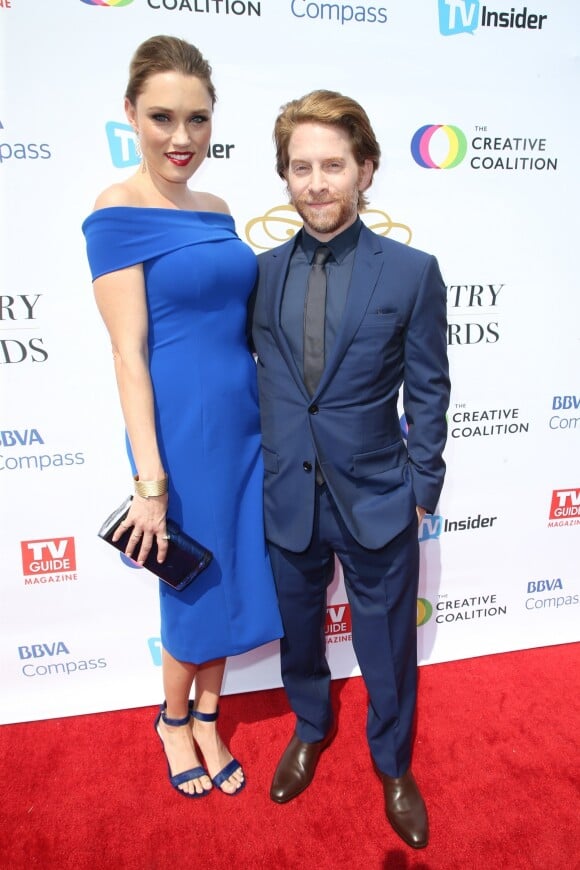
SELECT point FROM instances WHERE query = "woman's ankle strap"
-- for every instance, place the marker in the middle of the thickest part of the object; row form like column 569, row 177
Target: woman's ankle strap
column 175, row 723
column 205, row 717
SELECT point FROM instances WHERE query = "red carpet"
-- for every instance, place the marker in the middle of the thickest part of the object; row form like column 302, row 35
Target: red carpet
column 497, row 757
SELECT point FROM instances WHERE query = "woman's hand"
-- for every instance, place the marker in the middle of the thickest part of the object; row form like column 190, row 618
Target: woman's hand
column 146, row 518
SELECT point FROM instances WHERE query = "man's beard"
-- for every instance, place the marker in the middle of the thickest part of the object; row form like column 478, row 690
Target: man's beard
column 343, row 210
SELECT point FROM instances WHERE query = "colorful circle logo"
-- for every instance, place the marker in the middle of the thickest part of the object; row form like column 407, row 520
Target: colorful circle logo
column 421, row 146
column 424, row 611
column 107, row 2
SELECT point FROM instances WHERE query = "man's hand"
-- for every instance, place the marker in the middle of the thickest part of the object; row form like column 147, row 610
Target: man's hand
column 420, row 514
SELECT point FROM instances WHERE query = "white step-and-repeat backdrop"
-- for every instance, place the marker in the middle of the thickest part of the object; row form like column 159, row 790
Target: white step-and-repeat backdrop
column 475, row 107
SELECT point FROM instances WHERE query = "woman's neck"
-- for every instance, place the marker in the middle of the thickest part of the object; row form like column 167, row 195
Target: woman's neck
column 159, row 193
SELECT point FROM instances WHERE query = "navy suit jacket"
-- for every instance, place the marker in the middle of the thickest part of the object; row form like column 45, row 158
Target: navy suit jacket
column 393, row 333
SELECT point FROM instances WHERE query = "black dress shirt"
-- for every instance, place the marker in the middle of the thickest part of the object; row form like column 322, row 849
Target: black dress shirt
column 338, row 271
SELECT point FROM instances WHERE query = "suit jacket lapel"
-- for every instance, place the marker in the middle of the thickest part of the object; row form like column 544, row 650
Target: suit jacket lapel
column 274, row 280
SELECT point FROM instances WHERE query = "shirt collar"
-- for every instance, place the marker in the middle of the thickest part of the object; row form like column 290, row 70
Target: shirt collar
column 340, row 245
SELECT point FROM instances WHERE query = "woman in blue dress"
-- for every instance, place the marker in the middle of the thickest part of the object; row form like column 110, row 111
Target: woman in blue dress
column 171, row 281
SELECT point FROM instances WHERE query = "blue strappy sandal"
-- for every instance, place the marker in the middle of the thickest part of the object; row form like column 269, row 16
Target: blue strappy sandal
column 195, row 772
column 231, row 767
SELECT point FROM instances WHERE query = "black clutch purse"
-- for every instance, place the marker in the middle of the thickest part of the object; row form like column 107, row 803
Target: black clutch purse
column 185, row 559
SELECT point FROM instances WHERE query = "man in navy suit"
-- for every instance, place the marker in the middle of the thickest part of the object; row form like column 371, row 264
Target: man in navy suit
column 339, row 478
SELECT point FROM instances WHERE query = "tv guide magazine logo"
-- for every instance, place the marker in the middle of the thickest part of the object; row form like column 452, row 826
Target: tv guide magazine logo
column 48, row 560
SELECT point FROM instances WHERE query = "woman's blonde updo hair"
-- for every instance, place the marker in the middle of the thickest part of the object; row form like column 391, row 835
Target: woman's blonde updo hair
column 167, row 54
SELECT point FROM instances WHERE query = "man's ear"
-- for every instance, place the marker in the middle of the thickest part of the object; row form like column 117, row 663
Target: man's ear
column 365, row 175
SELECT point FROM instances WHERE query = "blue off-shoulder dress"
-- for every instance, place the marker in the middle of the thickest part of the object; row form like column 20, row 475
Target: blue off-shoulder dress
column 198, row 277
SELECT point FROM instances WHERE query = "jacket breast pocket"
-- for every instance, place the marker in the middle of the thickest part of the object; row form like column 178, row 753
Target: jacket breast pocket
column 377, row 318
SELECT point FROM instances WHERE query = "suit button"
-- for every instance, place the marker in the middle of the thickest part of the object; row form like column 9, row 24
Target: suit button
column 307, row 466
column 313, row 409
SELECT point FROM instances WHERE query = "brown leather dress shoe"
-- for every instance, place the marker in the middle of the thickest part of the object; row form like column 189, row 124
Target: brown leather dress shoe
column 297, row 767
column 406, row 810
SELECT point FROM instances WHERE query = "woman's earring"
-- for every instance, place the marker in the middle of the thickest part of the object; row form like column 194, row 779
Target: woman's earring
column 139, row 152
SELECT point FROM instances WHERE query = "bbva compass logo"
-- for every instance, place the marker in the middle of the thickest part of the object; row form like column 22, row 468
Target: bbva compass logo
column 107, row 2
column 438, row 146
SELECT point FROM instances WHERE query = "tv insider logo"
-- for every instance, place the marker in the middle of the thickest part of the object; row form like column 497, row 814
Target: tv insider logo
column 465, row 16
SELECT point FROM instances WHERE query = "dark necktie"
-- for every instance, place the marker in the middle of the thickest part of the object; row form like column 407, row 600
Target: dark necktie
column 314, row 320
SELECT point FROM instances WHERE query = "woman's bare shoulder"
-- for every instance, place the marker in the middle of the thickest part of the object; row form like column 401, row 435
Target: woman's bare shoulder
column 116, row 195
column 210, row 202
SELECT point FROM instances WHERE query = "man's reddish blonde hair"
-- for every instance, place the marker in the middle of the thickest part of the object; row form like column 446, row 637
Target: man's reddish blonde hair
column 336, row 110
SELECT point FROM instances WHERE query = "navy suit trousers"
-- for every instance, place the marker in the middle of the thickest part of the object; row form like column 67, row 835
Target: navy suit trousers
column 382, row 588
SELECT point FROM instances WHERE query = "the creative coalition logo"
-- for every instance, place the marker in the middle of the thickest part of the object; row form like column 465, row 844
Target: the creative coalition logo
column 486, row 422
column 45, row 660
column 521, row 153
column 444, row 146
column 464, row 16
column 468, row 609
column 51, row 560
column 18, row 315
column 445, row 150
column 107, row 2
column 25, row 450
column 568, row 410
column 433, row 526
column 473, row 314
column 239, row 8
column 565, row 507
column 548, row 595
column 424, row 611
column 16, row 152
